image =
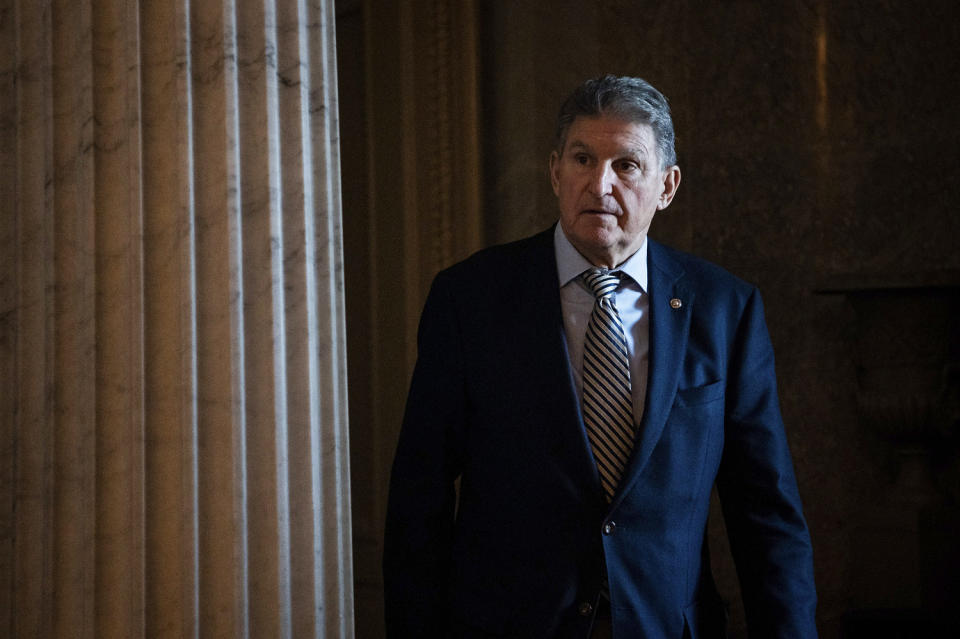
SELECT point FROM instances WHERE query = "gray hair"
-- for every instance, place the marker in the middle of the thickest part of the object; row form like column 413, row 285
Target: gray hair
column 633, row 99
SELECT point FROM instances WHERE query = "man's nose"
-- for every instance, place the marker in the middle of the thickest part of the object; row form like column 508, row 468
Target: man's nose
column 602, row 179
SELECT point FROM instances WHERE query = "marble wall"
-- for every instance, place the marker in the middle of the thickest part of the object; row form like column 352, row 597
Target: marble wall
column 173, row 437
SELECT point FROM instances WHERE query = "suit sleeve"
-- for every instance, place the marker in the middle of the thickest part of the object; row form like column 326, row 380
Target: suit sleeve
column 761, row 503
column 420, row 510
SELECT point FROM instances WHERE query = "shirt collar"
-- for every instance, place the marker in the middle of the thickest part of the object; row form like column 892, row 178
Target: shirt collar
column 570, row 263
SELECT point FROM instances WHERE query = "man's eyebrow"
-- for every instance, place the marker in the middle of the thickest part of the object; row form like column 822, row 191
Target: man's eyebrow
column 637, row 151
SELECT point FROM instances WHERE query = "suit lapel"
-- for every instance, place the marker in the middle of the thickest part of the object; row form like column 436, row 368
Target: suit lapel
column 547, row 346
column 669, row 327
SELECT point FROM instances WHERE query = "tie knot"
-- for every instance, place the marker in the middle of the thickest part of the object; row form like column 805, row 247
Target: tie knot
column 602, row 282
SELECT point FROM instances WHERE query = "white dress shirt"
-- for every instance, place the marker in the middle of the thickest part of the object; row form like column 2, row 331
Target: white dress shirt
column 576, row 304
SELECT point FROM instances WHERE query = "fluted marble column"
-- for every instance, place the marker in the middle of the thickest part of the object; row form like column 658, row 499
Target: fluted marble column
column 173, row 460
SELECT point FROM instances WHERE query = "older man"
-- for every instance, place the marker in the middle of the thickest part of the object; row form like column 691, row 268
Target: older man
column 589, row 386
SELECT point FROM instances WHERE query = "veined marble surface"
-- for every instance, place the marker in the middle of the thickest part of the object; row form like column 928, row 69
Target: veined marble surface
column 175, row 448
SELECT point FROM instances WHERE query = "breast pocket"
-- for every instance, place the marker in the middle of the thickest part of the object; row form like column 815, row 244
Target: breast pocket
column 697, row 395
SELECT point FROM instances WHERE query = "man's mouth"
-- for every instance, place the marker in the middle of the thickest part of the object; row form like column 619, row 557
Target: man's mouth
column 599, row 212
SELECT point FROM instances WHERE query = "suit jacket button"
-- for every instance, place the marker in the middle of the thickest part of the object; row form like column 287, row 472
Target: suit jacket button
column 609, row 527
column 585, row 608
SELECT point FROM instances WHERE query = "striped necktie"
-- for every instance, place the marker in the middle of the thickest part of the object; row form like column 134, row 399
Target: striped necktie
column 607, row 400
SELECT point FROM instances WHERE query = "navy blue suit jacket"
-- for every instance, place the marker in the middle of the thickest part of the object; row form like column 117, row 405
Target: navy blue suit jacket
column 519, row 550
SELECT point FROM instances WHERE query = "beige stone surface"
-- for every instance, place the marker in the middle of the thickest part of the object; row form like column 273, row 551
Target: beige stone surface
column 174, row 434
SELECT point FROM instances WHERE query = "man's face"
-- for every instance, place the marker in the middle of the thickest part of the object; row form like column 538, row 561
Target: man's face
column 609, row 185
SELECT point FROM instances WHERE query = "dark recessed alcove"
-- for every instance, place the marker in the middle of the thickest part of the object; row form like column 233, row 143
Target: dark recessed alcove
column 906, row 350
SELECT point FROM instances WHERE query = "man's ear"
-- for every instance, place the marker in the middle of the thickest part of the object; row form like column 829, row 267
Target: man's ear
column 671, row 182
column 555, row 172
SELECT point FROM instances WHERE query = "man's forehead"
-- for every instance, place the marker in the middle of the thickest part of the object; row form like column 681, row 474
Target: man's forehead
column 638, row 146
column 587, row 131
column 625, row 145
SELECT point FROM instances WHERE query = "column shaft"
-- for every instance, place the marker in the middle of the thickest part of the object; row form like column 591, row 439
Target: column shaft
column 175, row 423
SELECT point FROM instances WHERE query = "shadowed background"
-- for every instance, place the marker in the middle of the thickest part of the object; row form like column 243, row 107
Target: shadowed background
column 818, row 143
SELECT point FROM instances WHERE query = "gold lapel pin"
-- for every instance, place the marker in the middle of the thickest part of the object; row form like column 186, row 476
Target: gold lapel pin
column 675, row 303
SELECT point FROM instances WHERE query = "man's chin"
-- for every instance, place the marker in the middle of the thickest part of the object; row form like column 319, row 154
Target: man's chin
column 602, row 238
column 598, row 227
column 599, row 250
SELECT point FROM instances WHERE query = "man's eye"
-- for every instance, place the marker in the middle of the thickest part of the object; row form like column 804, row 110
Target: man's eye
column 580, row 158
column 627, row 167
